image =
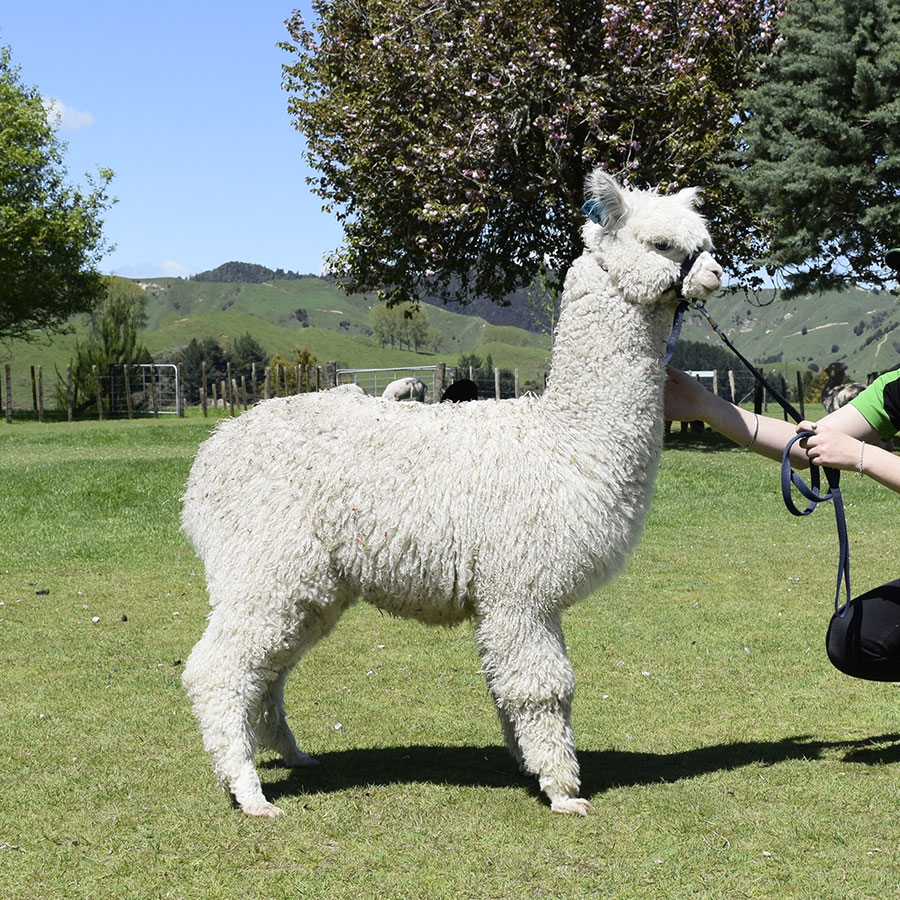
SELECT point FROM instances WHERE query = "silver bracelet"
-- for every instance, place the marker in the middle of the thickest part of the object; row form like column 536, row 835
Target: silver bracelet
column 755, row 432
column 862, row 450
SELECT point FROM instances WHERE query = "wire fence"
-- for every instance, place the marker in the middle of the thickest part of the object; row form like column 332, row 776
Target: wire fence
column 159, row 389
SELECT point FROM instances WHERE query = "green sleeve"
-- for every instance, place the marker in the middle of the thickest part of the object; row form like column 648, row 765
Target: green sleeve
column 876, row 407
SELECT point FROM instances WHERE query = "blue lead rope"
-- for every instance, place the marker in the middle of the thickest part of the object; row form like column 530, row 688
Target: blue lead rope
column 789, row 477
column 811, row 493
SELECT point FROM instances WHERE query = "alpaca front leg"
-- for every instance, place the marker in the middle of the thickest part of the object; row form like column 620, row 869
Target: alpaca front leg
column 531, row 679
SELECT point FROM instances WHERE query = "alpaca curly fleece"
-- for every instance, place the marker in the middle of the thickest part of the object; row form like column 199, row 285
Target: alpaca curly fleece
column 305, row 504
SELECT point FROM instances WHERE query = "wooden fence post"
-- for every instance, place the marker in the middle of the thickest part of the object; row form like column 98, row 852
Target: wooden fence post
column 69, row 398
column 234, row 395
column 224, row 394
column 9, row 403
column 126, row 377
column 497, row 382
column 800, row 396
column 277, row 384
column 516, row 383
column 34, row 390
column 40, row 393
column 715, row 380
column 331, row 374
column 96, row 375
column 215, row 399
column 732, row 386
column 229, row 382
column 154, row 402
column 203, row 388
column 440, row 380
column 254, row 396
column 244, row 392
column 266, row 392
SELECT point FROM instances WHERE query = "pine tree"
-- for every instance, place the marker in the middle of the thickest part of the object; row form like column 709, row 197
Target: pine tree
column 820, row 159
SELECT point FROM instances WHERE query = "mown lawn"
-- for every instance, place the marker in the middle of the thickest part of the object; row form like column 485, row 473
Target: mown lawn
column 724, row 756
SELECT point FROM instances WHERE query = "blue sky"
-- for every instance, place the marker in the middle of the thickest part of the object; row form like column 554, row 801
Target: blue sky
column 183, row 101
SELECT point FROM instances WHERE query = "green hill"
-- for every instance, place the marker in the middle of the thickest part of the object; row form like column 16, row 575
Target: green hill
column 856, row 327
column 282, row 315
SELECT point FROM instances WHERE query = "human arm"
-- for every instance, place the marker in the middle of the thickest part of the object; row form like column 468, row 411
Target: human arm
column 687, row 400
column 837, row 442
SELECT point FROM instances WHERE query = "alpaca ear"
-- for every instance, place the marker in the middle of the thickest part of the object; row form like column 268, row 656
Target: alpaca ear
column 606, row 201
column 690, row 197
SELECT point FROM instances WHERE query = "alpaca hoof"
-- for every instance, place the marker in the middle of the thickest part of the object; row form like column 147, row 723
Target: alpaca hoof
column 262, row 810
column 572, row 806
column 299, row 760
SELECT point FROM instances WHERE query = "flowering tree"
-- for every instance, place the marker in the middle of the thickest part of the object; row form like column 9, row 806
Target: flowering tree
column 452, row 137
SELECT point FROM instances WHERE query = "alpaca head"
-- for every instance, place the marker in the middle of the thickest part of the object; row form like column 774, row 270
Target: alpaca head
column 642, row 238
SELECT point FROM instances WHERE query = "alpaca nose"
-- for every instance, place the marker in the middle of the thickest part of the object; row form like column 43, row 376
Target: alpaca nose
column 707, row 272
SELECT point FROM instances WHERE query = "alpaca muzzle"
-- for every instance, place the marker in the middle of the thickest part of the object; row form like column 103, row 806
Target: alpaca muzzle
column 699, row 275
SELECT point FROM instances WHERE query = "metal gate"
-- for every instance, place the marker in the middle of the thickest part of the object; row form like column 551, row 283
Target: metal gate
column 374, row 381
column 146, row 389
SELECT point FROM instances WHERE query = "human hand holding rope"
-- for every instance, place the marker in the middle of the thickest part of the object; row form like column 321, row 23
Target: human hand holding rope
column 831, row 447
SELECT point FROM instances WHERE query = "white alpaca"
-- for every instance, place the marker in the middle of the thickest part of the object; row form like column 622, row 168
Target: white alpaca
column 405, row 389
column 302, row 505
column 836, row 393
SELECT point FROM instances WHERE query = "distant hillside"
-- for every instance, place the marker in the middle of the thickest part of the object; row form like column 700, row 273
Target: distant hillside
column 856, row 327
column 250, row 273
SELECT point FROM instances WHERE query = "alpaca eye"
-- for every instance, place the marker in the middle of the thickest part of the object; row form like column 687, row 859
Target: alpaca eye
column 662, row 246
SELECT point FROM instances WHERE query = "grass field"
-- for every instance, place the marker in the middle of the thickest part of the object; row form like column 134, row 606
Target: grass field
column 724, row 756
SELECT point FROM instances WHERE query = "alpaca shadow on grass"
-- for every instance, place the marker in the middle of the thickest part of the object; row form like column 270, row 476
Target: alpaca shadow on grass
column 601, row 770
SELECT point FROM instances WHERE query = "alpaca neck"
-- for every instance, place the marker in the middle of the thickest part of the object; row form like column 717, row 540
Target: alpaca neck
column 606, row 360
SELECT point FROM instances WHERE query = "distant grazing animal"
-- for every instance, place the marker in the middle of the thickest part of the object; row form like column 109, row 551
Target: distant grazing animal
column 460, row 391
column 836, row 394
column 405, row 389
column 305, row 504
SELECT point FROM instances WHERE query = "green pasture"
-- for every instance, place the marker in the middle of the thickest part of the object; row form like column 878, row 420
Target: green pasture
column 725, row 758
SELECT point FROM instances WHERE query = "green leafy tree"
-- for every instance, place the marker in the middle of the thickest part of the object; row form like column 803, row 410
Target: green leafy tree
column 112, row 340
column 51, row 238
column 386, row 324
column 295, row 381
column 820, row 152
column 467, row 361
column 453, row 139
column 193, row 357
column 243, row 352
column 414, row 328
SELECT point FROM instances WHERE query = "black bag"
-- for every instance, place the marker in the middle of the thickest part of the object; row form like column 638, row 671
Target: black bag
column 865, row 641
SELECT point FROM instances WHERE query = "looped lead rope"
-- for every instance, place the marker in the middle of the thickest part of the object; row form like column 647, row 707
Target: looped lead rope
column 789, row 477
column 811, row 493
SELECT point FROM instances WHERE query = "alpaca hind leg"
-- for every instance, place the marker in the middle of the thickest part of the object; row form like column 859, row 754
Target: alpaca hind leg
column 507, row 726
column 532, row 682
column 229, row 676
column 273, row 730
